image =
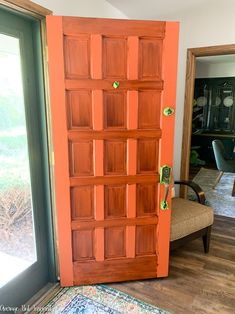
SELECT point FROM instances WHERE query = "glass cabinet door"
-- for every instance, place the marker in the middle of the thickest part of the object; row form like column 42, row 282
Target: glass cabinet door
column 214, row 105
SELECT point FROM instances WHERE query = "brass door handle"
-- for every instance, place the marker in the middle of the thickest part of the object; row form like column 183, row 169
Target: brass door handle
column 165, row 177
column 164, row 204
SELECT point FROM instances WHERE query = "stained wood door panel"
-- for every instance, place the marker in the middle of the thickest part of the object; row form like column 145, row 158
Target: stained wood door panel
column 79, row 108
column 99, row 180
column 147, row 156
column 78, row 67
column 146, row 240
column 114, row 134
column 115, row 157
column 112, row 270
column 81, row 155
column 150, row 54
column 115, row 242
column 122, row 221
column 114, row 115
column 147, row 197
column 83, row 245
column 130, row 85
column 115, row 201
column 115, row 146
column 149, row 104
column 114, row 57
column 77, row 26
column 82, row 202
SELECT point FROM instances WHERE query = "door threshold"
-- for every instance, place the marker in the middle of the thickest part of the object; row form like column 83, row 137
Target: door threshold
column 40, row 299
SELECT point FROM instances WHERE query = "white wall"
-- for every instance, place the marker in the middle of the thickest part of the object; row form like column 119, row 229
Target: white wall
column 212, row 24
column 211, row 69
column 84, row 8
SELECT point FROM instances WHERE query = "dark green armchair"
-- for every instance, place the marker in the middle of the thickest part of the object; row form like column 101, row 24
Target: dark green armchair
column 223, row 164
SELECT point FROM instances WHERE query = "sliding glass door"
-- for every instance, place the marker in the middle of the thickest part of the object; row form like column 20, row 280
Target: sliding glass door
column 25, row 220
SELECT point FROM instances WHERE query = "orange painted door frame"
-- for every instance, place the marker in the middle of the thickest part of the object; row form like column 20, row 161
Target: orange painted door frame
column 110, row 81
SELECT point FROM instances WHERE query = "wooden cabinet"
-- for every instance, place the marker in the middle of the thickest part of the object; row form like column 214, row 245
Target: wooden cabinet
column 213, row 116
column 214, row 105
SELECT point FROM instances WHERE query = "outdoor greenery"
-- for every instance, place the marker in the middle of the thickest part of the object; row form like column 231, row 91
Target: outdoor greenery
column 13, row 171
column 16, row 216
column 11, row 113
column 13, row 144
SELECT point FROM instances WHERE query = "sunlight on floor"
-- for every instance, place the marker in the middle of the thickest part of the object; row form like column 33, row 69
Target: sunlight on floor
column 10, row 267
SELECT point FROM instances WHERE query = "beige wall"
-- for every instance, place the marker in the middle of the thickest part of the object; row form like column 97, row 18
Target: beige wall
column 85, row 8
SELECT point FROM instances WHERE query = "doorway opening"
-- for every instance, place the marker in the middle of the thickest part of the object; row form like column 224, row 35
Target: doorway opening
column 210, row 116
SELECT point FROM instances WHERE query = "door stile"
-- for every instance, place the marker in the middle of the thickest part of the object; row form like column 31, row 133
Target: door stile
column 132, row 124
column 59, row 126
column 98, row 157
column 169, row 73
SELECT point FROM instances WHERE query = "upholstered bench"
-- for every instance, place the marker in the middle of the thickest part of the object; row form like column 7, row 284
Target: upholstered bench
column 190, row 220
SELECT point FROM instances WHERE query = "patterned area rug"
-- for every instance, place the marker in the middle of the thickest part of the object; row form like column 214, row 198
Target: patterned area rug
column 97, row 299
column 219, row 198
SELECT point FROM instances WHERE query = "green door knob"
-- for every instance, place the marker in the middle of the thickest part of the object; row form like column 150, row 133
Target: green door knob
column 115, row 84
column 168, row 111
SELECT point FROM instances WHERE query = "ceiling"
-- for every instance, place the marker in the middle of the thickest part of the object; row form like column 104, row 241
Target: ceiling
column 152, row 9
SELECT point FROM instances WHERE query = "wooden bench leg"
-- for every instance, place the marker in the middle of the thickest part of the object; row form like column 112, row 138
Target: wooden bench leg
column 206, row 239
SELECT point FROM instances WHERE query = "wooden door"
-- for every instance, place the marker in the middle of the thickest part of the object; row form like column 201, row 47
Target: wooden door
column 110, row 81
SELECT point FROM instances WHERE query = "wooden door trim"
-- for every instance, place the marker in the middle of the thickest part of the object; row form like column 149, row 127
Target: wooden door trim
column 28, row 7
column 192, row 53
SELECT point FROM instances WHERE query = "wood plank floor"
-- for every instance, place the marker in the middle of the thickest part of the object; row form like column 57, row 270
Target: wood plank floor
column 197, row 282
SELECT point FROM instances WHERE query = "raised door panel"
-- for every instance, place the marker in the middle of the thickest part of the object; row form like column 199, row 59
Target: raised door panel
column 146, row 240
column 83, row 247
column 77, row 56
column 81, row 158
column 115, row 201
column 150, row 58
column 147, row 156
column 149, row 105
column 114, row 57
column 115, row 242
column 79, row 108
column 115, row 157
column 147, row 197
column 114, row 109
column 82, row 202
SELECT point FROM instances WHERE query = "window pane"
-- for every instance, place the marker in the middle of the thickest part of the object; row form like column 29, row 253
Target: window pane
column 17, row 237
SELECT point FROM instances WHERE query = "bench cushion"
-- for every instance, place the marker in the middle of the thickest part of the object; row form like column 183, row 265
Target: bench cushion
column 188, row 217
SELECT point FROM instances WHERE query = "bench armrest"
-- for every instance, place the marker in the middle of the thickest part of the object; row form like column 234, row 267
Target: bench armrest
column 196, row 188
